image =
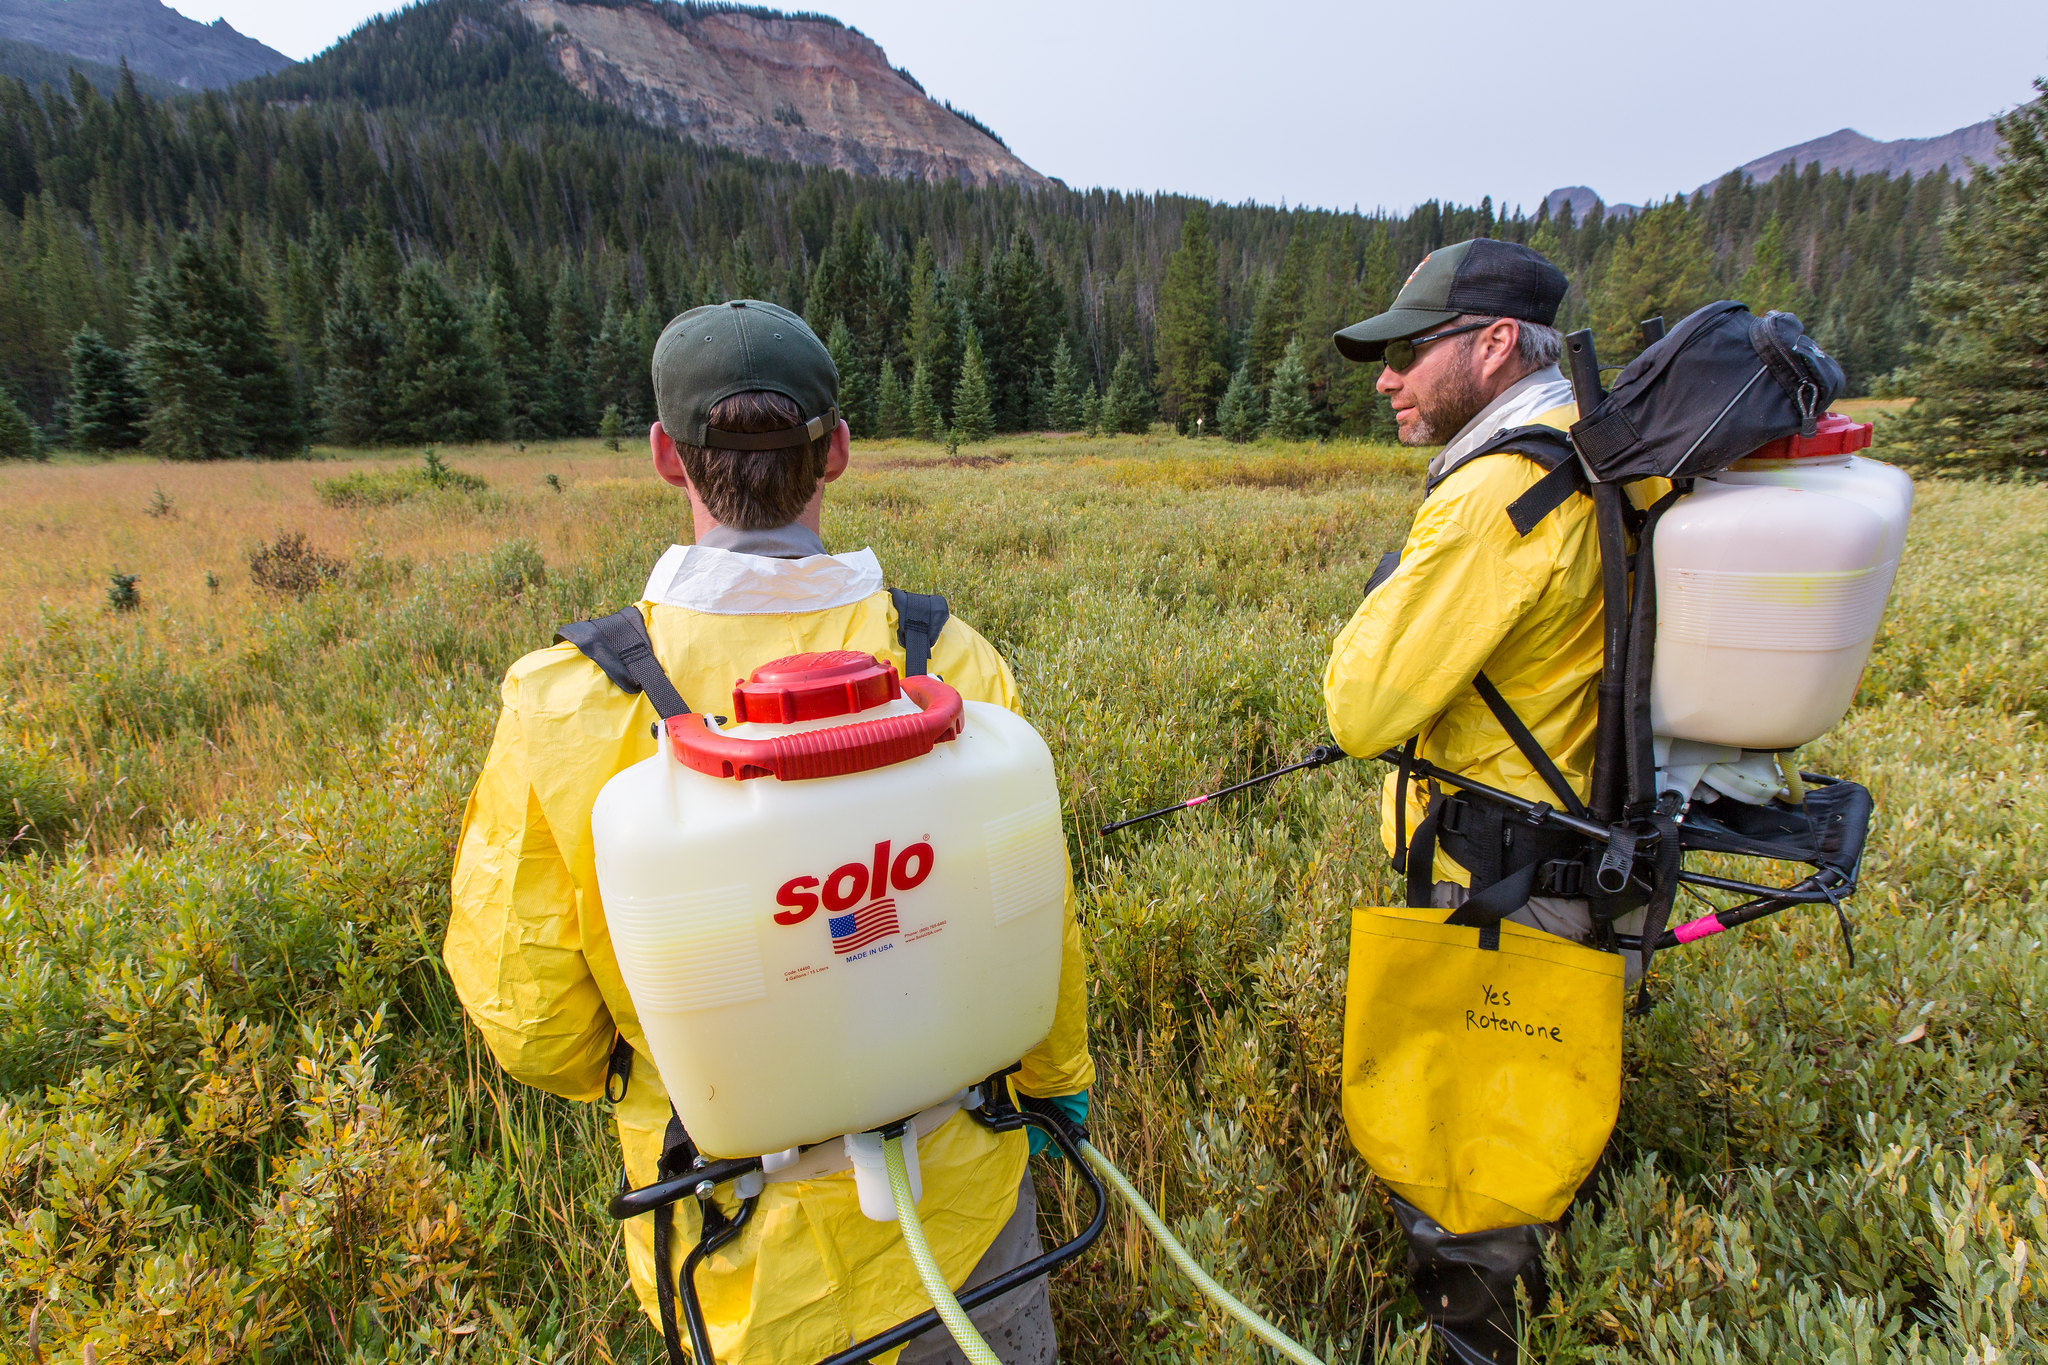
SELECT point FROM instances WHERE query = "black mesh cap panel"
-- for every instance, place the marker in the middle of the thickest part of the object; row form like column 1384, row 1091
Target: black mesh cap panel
column 1507, row 280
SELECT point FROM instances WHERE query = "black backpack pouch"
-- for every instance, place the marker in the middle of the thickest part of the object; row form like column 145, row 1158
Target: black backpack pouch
column 1717, row 386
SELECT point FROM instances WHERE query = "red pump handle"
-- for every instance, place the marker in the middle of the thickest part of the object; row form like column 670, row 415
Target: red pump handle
column 832, row 752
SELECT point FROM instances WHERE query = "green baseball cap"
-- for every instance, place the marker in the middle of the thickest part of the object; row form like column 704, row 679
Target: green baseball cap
column 711, row 353
column 1482, row 277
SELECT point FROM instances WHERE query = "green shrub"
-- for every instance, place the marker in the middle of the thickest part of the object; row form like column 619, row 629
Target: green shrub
column 291, row 566
column 36, row 813
column 385, row 487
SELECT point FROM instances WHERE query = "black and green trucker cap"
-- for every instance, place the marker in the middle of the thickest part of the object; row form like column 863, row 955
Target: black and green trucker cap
column 1482, row 277
column 721, row 349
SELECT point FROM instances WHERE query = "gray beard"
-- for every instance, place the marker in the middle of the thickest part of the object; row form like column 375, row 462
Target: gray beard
column 1445, row 412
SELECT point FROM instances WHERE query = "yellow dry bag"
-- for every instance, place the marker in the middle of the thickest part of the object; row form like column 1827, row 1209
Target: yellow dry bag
column 1480, row 1082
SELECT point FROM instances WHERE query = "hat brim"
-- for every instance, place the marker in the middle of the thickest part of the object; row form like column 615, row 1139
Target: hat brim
column 1368, row 340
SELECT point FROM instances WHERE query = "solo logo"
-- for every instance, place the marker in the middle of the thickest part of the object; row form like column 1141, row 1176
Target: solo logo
column 856, row 896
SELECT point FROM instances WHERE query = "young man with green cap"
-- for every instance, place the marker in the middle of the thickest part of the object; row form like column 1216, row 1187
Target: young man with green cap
column 1470, row 352
column 750, row 432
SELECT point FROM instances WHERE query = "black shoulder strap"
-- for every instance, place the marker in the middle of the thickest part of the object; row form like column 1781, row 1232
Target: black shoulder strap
column 920, row 616
column 618, row 644
column 1526, row 742
column 1548, row 447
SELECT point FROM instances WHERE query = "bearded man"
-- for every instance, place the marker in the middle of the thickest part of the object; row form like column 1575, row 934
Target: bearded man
column 1470, row 353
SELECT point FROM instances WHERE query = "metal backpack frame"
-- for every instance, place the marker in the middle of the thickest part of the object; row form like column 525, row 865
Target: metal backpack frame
column 1624, row 846
column 620, row 646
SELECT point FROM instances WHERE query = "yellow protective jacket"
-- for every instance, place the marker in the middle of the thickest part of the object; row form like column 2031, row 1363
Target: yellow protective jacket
column 1471, row 596
column 531, row 958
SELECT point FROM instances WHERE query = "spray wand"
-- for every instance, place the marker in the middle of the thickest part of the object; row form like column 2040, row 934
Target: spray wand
column 1321, row 756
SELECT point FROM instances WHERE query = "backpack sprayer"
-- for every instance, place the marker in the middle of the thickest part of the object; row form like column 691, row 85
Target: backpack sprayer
column 878, row 928
column 1737, row 626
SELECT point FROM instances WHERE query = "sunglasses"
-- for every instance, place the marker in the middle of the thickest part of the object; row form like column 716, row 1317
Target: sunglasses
column 1400, row 353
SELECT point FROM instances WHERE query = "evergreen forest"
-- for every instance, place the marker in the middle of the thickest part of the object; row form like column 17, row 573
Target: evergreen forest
column 425, row 235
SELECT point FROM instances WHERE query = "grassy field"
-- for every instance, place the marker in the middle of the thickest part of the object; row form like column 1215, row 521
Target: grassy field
column 241, row 1118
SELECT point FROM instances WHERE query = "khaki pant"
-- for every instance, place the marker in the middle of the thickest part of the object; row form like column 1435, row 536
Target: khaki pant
column 1555, row 915
column 1017, row 1326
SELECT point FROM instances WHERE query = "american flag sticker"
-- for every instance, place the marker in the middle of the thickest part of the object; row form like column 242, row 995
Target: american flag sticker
column 856, row 929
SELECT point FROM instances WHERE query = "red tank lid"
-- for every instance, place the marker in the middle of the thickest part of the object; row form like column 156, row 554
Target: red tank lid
column 815, row 687
column 1834, row 434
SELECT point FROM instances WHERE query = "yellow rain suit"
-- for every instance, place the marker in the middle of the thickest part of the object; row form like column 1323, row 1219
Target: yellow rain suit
column 531, row 957
column 1470, row 596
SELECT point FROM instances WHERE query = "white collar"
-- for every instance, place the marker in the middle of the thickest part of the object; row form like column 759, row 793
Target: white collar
column 730, row 583
column 1517, row 405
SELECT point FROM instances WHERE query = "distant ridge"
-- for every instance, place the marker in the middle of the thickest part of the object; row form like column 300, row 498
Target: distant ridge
column 155, row 39
column 1844, row 150
column 1582, row 198
column 1848, row 150
column 37, row 66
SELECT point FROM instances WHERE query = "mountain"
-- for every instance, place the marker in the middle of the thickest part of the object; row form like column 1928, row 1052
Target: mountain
column 1848, row 150
column 155, row 39
column 1582, row 199
column 1845, row 150
column 39, row 66
column 800, row 88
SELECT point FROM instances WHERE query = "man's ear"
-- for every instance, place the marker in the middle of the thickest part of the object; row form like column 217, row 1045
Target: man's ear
column 1497, row 347
column 668, row 461
column 841, row 453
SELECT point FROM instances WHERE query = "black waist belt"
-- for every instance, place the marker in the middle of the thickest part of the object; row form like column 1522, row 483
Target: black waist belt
column 1490, row 842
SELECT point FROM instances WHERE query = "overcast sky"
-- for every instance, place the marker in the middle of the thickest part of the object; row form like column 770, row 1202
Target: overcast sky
column 1343, row 102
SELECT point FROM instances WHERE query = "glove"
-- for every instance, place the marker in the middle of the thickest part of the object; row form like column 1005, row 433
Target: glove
column 1074, row 1108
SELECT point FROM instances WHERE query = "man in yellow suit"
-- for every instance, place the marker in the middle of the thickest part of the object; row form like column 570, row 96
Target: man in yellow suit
column 1473, row 607
column 750, row 432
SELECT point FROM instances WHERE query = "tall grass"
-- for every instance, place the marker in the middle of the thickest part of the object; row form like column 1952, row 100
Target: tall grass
column 241, row 1118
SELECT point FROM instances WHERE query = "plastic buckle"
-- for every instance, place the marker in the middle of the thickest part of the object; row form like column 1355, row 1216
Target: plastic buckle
column 1564, row 878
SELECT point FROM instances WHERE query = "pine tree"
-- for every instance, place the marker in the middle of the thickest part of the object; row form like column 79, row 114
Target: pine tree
column 356, row 399
column 106, row 407
column 856, row 402
column 191, row 404
column 504, row 344
column 447, row 391
column 1091, row 411
column 1983, row 403
column 17, row 435
column 1769, row 282
column 608, row 372
column 1664, row 267
column 1289, row 414
column 215, row 383
column 1188, row 327
column 926, row 421
column 569, row 335
column 892, row 404
column 1037, row 404
column 1063, row 401
column 973, row 419
column 1126, row 404
column 609, row 426
column 1237, row 416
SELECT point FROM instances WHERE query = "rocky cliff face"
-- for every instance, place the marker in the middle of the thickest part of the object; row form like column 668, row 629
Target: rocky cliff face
column 154, row 38
column 791, row 89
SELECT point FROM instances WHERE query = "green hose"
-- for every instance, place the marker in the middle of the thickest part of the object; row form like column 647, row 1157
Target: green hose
column 955, row 1317
column 935, row 1287
column 1265, row 1331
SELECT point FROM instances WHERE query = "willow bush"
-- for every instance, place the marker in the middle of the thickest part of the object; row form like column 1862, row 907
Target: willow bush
column 241, row 1117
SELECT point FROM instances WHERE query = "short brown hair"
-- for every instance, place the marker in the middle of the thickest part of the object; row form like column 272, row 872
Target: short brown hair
column 756, row 490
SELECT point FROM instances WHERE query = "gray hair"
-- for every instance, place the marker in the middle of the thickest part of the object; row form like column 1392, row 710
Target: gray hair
column 1539, row 347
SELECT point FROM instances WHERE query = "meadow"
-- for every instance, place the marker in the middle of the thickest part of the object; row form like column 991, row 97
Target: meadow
column 241, row 1117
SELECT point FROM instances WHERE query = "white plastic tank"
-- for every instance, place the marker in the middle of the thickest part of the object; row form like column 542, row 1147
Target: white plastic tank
column 1772, row 579
column 838, row 911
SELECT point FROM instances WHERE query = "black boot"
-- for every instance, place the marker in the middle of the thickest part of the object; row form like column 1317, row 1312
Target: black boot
column 1466, row 1282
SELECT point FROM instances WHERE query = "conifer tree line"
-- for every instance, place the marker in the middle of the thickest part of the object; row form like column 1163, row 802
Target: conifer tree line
column 410, row 239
